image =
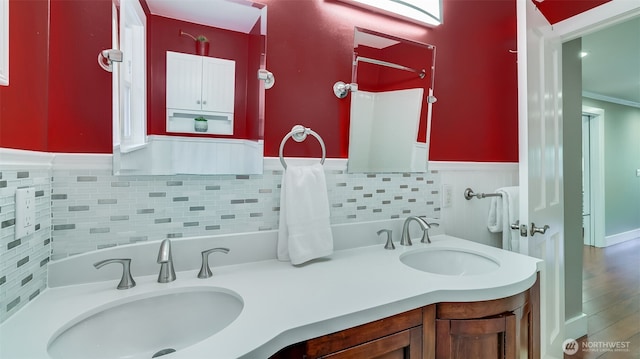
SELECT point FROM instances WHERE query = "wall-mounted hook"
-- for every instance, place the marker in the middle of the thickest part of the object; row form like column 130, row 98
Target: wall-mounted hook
column 267, row 77
column 341, row 89
column 106, row 58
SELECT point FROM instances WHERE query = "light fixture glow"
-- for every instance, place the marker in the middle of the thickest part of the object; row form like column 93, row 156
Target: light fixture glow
column 423, row 12
column 583, row 54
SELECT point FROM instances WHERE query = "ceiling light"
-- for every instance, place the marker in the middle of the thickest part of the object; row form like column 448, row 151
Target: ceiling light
column 583, row 54
column 423, row 12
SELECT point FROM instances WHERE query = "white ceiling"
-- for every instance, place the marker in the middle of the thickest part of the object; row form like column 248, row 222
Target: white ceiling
column 236, row 15
column 612, row 67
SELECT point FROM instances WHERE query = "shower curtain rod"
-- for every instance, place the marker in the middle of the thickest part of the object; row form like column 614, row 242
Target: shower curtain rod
column 422, row 73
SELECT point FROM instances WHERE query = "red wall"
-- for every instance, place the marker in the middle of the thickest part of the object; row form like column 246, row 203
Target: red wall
column 309, row 48
column 79, row 90
column 23, row 104
column 558, row 10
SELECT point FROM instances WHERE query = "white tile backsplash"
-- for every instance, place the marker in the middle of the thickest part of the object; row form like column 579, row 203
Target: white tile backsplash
column 92, row 209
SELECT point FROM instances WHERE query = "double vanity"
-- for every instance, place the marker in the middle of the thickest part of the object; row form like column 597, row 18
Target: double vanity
column 254, row 306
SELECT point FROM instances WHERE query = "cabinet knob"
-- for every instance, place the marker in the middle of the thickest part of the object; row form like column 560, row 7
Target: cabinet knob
column 204, row 102
column 198, row 102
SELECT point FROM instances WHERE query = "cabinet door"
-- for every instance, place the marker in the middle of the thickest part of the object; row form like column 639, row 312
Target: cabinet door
column 218, row 84
column 406, row 344
column 184, row 81
column 488, row 338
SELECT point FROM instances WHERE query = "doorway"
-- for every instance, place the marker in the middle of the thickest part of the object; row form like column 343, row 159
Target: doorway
column 587, row 232
column 593, row 199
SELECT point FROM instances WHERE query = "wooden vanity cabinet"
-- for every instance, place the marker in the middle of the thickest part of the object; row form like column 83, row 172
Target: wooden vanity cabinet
column 398, row 337
column 507, row 328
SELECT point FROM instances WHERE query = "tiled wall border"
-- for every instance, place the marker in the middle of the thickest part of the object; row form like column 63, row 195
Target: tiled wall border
column 92, row 209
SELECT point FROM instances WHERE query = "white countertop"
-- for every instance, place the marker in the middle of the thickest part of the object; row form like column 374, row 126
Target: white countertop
column 284, row 304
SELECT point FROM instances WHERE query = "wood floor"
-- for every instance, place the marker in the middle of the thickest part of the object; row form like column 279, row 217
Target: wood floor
column 611, row 300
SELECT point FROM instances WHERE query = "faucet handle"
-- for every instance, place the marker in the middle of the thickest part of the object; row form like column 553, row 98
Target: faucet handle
column 205, row 271
column 425, row 233
column 389, row 244
column 126, row 281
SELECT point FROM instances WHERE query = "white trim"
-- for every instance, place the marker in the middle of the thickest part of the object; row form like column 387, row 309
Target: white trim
column 622, row 237
column 596, row 96
column 4, row 42
column 607, row 14
column 273, row 163
column 596, row 127
column 93, row 161
column 576, row 327
column 24, row 158
column 471, row 166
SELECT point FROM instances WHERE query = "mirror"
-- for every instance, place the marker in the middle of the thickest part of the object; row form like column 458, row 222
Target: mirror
column 391, row 101
column 156, row 131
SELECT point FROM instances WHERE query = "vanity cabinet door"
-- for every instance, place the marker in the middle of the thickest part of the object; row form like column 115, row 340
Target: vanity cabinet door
column 507, row 328
column 399, row 336
column 396, row 337
column 406, row 344
column 488, row 338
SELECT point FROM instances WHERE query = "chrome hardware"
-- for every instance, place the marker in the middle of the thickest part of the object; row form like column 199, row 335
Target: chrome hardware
column 106, row 58
column 469, row 194
column 267, row 77
column 389, row 244
column 523, row 230
column 204, row 102
column 205, row 271
column 126, row 281
column 541, row 230
column 165, row 259
column 198, row 102
column 425, row 235
column 341, row 89
column 299, row 133
column 405, row 239
column 515, row 226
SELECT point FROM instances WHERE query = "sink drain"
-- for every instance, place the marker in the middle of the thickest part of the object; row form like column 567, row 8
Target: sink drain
column 163, row 352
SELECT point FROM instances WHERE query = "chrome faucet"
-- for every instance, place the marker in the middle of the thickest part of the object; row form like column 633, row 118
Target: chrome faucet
column 126, row 281
column 205, row 271
column 167, row 274
column 405, row 239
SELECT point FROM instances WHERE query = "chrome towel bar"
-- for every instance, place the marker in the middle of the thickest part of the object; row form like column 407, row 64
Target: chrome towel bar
column 469, row 194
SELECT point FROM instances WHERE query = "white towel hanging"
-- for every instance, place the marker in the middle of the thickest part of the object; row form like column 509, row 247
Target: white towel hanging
column 304, row 228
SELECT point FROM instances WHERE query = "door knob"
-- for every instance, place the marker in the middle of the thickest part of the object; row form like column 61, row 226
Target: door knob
column 541, row 230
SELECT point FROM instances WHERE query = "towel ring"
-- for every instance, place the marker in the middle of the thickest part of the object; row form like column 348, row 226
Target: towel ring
column 299, row 133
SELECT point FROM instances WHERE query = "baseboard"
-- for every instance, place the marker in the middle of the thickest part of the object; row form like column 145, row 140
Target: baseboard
column 622, row 237
column 576, row 327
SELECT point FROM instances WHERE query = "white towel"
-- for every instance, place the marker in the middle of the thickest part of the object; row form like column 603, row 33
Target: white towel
column 503, row 211
column 304, row 230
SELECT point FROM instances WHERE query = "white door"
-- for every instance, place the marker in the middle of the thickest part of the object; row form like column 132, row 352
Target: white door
column 541, row 181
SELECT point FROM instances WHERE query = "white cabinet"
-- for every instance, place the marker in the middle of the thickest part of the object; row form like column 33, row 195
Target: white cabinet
column 200, row 86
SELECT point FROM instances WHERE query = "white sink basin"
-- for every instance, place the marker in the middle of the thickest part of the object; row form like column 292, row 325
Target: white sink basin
column 454, row 262
column 144, row 327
